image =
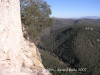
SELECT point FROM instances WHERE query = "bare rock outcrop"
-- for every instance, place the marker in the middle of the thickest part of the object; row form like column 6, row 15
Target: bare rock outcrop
column 17, row 55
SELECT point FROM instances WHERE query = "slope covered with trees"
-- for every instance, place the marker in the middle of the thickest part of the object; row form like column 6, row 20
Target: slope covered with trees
column 54, row 65
column 77, row 45
column 35, row 14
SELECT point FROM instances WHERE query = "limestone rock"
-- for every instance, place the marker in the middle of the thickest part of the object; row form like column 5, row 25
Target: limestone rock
column 17, row 55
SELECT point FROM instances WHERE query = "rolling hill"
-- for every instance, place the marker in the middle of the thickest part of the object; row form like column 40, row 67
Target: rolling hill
column 76, row 45
column 60, row 22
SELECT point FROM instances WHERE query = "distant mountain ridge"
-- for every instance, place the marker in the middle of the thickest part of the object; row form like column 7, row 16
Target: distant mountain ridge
column 61, row 22
column 91, row 17
column 88, row 17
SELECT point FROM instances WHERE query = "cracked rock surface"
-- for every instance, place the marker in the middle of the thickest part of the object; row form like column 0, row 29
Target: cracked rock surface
column 17, row 55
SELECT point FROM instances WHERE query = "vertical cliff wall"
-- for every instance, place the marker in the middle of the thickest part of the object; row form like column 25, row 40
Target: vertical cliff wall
column 17, row 55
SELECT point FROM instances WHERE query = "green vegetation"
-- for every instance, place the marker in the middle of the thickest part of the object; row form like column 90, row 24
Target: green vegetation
column 77, row 45
column 53, row 64
column 35, row 14
column 67, row 44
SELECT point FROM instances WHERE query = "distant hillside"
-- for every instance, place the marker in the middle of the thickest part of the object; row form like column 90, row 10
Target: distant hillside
column 60, row 22
column 92, row 17
column 52, row 63
column 78, row 45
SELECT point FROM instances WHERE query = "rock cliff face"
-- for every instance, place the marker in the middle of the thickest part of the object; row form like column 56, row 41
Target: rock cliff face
column 17, row 55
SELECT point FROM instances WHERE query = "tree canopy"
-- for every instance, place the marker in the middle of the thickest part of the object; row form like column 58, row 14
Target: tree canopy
column 36, row 15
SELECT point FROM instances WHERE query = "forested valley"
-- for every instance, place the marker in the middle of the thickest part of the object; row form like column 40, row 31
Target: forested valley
column 63, row 43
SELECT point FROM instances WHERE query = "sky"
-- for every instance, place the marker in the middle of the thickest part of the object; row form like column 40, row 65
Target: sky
column 74, row 8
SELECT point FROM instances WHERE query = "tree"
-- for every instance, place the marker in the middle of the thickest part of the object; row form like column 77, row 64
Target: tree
column 36, row 14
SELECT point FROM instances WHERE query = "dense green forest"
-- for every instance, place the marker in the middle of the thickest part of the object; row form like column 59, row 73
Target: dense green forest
column 78, row 46
column 56, row 66
column 68, row 44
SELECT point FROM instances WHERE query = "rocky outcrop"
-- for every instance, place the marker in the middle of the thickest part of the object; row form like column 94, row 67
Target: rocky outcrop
column 17, row 55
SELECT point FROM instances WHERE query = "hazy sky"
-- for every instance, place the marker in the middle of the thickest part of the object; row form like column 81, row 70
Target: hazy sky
column 74, row 8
